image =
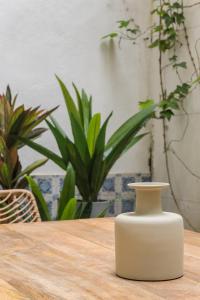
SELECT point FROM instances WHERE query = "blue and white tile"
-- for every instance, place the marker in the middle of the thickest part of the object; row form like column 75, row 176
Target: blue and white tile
column 125, row 181
column 56, row 183
column 127, row 205
column 45, row 184
column 118, row 183
column 109, row 184
column 146, row 178
column 114, row 188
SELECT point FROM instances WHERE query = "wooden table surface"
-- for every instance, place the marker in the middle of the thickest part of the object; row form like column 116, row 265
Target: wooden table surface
column 75, row 260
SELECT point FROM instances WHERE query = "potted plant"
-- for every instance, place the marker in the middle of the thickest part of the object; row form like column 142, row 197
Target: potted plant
column 90, row 155
column 16, row 121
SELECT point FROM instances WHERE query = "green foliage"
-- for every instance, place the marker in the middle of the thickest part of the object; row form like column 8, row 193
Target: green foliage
column 67, row 191
column 128, row 29
column 41, row 203
column 67, row 204
column 16, row 121
column 88, row 152
column 170, row 17
column 174, row 100
column 182, row 64
column 164, row 36
column 123, row 23
column 69, row 212
column 111, row 35
column 93, row 131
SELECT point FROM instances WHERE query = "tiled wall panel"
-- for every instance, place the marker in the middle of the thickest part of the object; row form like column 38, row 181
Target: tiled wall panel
column 114, row 188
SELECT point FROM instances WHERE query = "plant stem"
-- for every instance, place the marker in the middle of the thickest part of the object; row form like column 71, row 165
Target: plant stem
column 189, row 49
column 163, row 95
column 191, row 5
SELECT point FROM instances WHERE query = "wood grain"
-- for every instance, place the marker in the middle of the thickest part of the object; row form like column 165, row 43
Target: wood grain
column 75, row 260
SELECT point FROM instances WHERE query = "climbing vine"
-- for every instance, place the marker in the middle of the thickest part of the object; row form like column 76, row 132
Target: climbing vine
column 167, row 34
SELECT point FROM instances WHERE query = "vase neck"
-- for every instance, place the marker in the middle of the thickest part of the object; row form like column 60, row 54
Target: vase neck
column 148, row 202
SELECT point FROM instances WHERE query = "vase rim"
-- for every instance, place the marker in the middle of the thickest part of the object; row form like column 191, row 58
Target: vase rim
column 148, row 185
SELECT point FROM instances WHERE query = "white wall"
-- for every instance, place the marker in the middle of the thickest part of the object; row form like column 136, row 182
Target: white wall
column 39, row 38
column 186, row 184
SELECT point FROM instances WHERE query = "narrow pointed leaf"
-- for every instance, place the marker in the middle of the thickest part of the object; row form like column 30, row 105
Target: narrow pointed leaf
column 5, row 175
column 70, row 210
column 42, row 205
column 35, row 133
column 81, row 205
column 125, row 129
column 28, row 170
column 61, row 142
column 16, row 114
column 80, row 107
column 56, row 124
column 118, row 150
column 38, row 120
column 80, row 141
column 46, row 152
column 123, row 136
column 102, row 214
column 14, row 100
column 80, row 169
column 8, row 94
column 68, row 190
column 98, row 165
column 93, row 132
column 87, row 110
column 134, row 140
column 71, row 107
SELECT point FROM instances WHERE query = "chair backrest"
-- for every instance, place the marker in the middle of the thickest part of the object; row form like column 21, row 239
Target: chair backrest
column 18, row 206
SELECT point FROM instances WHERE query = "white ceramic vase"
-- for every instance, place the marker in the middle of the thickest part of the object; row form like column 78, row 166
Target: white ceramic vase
column 149, row 242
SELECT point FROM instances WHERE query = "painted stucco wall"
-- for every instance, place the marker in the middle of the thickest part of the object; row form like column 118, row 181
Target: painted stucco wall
column 39, row 38
column 182, row 134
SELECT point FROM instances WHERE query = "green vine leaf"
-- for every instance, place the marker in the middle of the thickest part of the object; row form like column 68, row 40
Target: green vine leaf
column 163, row 35
column 182, row 64
column 176, row 5
column 154, row 44
column 173, row 58
column 111, row 35
column 123, row 23
column 167, row 114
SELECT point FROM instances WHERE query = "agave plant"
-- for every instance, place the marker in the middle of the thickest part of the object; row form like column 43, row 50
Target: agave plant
column 89, row 153
column 15, row 121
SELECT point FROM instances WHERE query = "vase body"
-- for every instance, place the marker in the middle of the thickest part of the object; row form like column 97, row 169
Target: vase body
column 149, row 242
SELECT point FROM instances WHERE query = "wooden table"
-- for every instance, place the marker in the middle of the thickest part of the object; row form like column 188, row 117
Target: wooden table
column 75, row 260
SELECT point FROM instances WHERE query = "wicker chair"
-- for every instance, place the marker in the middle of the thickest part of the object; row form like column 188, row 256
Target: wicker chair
column 18, row 206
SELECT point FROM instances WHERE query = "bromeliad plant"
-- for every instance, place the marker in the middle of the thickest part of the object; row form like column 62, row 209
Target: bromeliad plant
column 89, row 153
column 16, row 121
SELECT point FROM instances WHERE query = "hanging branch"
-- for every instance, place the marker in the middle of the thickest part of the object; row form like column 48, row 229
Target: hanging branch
column 191, row 5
